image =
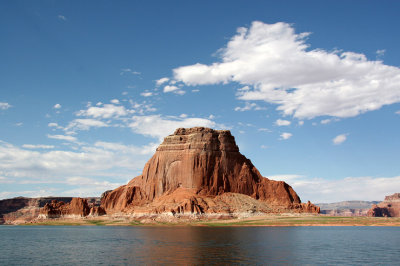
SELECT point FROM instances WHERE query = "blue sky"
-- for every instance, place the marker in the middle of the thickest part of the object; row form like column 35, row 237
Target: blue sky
column 310, row 90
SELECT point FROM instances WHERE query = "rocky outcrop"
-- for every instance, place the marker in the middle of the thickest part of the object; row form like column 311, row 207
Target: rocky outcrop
column 56, row 209
column 190, row 170
column 97, row 211
column 390, row 207
column 21, row 209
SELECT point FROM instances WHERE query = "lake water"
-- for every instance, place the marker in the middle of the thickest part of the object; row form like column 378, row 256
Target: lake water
column 104, row 245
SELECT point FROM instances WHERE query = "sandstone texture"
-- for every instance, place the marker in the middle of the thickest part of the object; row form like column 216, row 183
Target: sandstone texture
column 21, row 209
column 390, row 207
column 24, row 210
column 200, row 170
column 77, row 207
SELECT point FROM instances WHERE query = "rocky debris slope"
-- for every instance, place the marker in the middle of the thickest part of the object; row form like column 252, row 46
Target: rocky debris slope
column 192, row 171
column 21, row 209
column 346, row 208
column 390, row 207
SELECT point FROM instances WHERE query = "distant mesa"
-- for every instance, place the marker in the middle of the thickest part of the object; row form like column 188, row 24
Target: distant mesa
column 201, row 171
column 23, row 210
column 390, row 207
column 346, row 208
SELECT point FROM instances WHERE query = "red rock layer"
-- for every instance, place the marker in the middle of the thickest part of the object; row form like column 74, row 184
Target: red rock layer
column 56, row 209
column 390, row 207
column 206, row 162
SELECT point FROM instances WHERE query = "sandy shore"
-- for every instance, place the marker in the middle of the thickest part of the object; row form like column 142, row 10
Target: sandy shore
column 259, row 220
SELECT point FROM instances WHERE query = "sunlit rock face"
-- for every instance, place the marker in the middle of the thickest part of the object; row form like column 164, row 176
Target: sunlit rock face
column 197, row 165
column 390, row 207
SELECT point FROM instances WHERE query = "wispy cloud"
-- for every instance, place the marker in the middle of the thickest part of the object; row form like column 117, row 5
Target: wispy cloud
column 146, row 94
column 380, row 53
column 129, row 71
column 37, row 146
column 349, row 188
column 161, row 81
column 249, row 106
column 61, row 17
column 62, row 137
column 5, row 106
column 85, row 124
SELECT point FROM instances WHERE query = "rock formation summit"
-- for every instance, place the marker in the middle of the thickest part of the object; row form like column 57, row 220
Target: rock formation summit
column 390, row 207
column 200, row 170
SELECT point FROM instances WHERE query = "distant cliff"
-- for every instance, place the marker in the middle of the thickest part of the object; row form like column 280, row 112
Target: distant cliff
column 346, row 208
column 23, row 209
column 390, row 207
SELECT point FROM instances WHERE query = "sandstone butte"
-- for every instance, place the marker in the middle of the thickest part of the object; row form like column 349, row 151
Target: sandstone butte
column 390, row 207
column 201, row 171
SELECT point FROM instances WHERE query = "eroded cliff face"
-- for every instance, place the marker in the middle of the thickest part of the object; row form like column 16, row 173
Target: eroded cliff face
column 197, row 165
column 21, row 209
column 77, row 207
column 390, row 207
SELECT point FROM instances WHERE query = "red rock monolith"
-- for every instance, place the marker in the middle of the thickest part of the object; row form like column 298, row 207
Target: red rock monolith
column 190, row 169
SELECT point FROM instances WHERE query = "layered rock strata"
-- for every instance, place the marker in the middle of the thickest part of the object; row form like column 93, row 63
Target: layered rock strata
column 21, row 209
column 346, row 208
column 390, row 207
column 77, row 207
column 191, row 172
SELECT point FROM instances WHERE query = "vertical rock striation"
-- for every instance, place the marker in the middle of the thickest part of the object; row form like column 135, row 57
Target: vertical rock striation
column 205, row 163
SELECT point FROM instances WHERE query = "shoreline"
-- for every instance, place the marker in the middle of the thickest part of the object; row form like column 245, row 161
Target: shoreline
column 252, row 221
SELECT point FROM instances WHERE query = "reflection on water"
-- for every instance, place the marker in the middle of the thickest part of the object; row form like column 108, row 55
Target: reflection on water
column 46, row 245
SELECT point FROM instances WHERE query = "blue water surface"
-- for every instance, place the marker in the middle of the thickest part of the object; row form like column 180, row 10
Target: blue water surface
column 107, row 245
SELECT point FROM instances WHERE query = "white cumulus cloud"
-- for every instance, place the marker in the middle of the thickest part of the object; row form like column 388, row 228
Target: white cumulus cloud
column 159, row 127
column 281, row 122
column 85, row 124
column 286, row 135
column 57, row 106
column 105, row 111
column 88, row 171
column 339, row 139
column 280, row 68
